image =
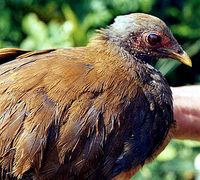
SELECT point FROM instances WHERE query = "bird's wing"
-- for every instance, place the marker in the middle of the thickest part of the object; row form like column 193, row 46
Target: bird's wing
column 36, row 91
column 7, row 54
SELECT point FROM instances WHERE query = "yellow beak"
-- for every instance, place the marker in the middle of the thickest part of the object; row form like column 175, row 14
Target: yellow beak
column 183, row 58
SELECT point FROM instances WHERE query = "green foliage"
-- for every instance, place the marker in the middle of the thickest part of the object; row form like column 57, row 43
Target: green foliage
column 40, row 24
column 174, row 163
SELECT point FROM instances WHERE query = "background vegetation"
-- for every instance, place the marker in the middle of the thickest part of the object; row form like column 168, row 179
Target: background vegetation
column 40, row 24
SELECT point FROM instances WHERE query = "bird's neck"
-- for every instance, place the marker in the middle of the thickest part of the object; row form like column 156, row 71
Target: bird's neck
column 103, row 44
column 113, row 57
column 109, row 53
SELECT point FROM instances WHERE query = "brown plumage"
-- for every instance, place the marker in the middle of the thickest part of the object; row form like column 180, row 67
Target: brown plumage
column 90, row 112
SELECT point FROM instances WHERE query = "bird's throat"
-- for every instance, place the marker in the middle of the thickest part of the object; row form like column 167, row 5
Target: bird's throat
column 145, row 59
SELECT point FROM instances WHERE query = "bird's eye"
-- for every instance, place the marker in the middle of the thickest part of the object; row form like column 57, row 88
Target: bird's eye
column 153, row 39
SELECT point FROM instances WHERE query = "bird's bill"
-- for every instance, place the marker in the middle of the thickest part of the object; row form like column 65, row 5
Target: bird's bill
column 180, row 55
column 183, row 58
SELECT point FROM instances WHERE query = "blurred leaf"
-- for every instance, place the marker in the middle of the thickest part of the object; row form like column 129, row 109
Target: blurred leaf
column 34, row 27
column 168, row 154
column 78, row 32
column 166, row 66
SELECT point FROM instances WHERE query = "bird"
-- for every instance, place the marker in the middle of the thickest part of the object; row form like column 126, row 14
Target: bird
column 92, row 112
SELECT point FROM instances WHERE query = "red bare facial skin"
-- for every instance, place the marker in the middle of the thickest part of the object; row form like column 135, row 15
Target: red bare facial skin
column 164, row 43
column 141, row 42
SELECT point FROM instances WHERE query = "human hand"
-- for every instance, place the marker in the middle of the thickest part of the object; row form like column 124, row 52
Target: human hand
column 187, row 112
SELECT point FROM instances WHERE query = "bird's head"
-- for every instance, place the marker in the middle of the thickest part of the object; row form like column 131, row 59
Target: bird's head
column 146, row 37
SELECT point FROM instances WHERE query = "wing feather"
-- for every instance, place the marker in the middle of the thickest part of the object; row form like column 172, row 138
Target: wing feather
column 31, row 87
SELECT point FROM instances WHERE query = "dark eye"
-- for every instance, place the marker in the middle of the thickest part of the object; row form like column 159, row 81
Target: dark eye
column 154, row 39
